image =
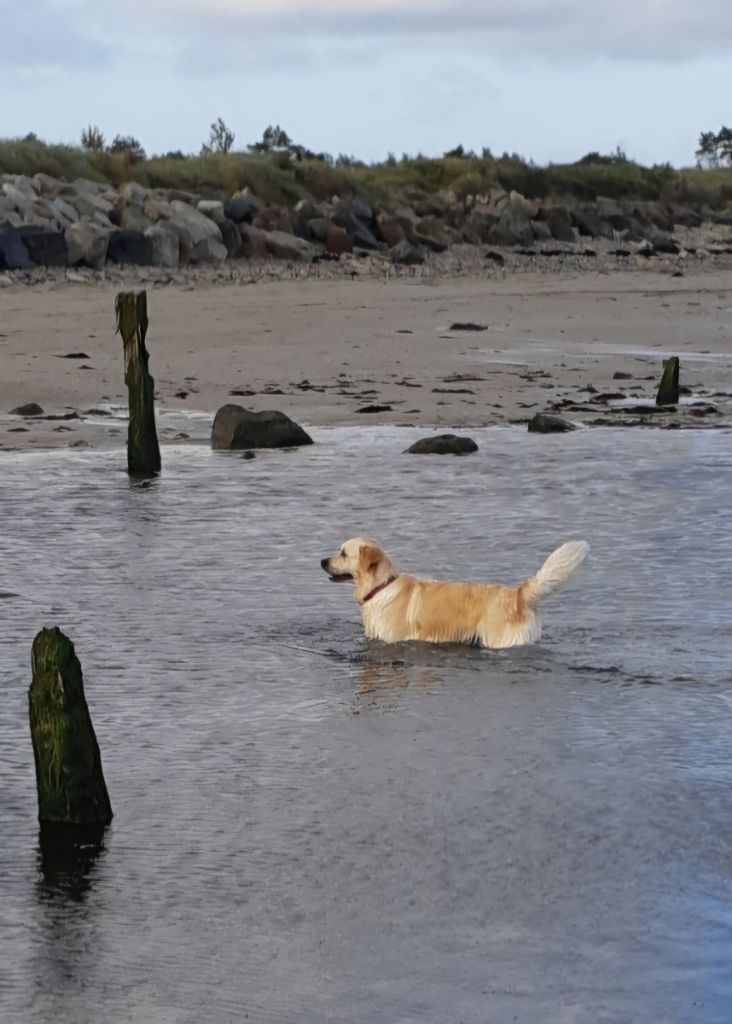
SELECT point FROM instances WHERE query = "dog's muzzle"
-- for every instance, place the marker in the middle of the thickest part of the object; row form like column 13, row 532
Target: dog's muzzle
column 335, row 577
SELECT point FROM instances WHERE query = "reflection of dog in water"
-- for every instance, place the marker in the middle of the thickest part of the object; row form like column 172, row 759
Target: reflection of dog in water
column 396, row 607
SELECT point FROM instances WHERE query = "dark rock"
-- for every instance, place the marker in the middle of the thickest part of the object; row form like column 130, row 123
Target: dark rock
column 559, row 222
column 131, row 248
column 548, row 423
column 45, row 248
column 374, row 408
column 166, row 245
column 622, row 375
column 235, row 428
column 231, row 239
column 608, row 396
column 407, row 255
column 443, row 444
column 390, row 231
column 133, row 218
column 434, row 231
column 590, row 224
column 361, row 236
column 430, row 243
column 452, row 391
column 13, row 251
column 665, row 244
column 686, row 216
column 407, row 227
column 284, row 246
column 253, row 242
column 542, row 231
column 274, row 218
column 611, row 212
column 703, row 410
column 467, row 326
column 356, row 208
column 495, row 257
column 241, row 211
column 316, row 229
column 512, row 228
column 337, row 240
column 29, row 409
column 357, row 218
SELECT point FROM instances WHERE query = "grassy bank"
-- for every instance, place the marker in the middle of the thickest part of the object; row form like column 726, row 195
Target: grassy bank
column 275, row 179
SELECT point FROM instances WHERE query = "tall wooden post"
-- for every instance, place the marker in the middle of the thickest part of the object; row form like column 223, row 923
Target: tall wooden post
column 668, row 389
column 143, row 451
column 69, row 778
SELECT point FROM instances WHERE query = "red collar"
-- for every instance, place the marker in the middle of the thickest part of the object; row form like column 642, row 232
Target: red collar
column 376, row 590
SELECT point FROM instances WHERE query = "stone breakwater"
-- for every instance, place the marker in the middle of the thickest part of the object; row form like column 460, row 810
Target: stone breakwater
column 91, row 226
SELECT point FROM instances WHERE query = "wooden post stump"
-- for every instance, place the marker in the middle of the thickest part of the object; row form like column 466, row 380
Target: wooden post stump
column 143, row 451
column 69, row 778
column 668, row 390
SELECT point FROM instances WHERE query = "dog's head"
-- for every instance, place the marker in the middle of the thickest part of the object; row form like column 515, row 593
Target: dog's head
column 362, row 561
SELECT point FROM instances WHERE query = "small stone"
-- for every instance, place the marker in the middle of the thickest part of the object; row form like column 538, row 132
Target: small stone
column 443, row 444
column 29, row 409
column 467, row 326
column 549, row 423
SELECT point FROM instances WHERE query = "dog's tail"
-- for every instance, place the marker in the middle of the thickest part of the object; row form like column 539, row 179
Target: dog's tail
column 555, row 572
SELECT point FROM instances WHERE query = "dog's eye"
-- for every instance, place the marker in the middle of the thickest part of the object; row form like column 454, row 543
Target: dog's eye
column 343, row 552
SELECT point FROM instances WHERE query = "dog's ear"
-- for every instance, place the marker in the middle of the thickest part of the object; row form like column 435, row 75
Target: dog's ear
column 369, row 558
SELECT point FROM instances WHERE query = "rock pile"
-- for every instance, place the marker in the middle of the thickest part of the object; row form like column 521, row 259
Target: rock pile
column 52, row 223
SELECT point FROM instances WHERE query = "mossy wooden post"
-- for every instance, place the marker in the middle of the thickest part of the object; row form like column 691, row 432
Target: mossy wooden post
column 71, row 787
column 668, row 391
column 143, row 451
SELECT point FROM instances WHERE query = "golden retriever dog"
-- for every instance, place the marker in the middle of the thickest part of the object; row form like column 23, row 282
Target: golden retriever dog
column 396, row 607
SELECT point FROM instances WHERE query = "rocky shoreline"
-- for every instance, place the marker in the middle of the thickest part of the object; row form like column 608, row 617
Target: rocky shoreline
column 84, row 231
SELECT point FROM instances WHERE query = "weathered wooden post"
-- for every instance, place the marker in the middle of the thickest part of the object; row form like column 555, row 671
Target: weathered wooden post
column 69, row 778
column 668, row 390
column 143, row 451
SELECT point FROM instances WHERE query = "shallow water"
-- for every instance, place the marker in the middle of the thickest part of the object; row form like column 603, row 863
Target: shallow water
column 310, row 827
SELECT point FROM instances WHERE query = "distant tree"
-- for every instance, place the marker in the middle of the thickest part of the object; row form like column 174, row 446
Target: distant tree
column 33, row 138
column 175, row 154
column 129, row 146
column 715, row 148
column 458, row 151
column 274, row 139
column 220, row 139
column 619, row 156
column 92, row 139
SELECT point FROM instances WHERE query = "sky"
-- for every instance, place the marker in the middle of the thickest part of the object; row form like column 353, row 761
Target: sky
column 549, row 79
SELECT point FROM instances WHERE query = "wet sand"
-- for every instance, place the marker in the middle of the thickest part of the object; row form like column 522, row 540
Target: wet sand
column 323, row 350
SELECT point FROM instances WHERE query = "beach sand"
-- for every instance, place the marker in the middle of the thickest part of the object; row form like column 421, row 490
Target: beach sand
column 322, row 350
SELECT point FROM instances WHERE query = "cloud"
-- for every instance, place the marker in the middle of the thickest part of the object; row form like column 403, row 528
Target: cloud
column 48, row 34
column 660, row 30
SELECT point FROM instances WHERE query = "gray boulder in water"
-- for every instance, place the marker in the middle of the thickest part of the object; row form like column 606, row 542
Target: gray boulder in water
column 235, row 429
column 443, row 444
column 549, row 423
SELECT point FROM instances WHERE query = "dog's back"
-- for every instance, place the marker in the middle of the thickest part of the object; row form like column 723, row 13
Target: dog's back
column 488, row 614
